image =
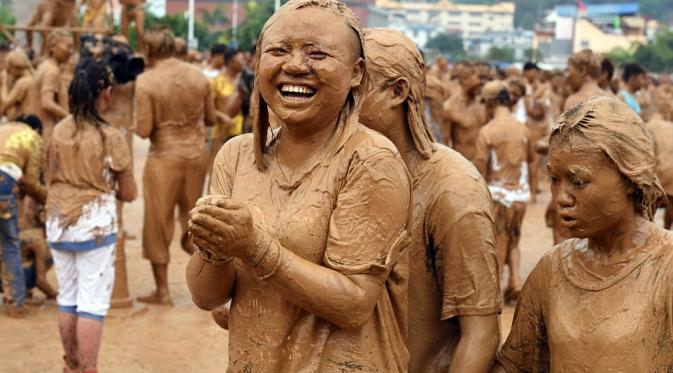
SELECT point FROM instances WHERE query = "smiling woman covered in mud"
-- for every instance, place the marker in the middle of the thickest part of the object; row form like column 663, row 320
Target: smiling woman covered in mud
column 602, row 302
column 305, row 227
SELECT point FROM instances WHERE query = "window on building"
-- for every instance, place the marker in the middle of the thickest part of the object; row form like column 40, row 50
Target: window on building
column 475, row 24
column 584, row 44
column 476, row 14
column 455, row 14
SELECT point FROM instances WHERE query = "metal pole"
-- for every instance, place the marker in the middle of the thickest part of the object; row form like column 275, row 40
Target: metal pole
column 190, row 27
column 276, row 4
column 234, row 22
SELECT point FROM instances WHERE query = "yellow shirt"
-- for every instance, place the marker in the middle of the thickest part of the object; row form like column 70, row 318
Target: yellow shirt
column 224, row 88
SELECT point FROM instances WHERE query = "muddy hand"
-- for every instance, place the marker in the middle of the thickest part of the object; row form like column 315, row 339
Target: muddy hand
column 223, row 227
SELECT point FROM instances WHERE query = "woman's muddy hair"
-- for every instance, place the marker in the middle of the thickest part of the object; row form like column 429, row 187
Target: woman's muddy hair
column 89, row 80
column 159, row 42
column 588, row 61
column 259, row 110
column 390, row 56
column 610, row 126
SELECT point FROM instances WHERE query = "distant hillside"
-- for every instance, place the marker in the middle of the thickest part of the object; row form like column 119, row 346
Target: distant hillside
column 528, row 11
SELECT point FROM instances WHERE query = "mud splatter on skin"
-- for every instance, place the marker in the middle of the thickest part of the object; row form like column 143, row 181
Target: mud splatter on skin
column 451, row 208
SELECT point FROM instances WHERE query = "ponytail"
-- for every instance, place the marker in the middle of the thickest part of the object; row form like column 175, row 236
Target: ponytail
column 89, row 80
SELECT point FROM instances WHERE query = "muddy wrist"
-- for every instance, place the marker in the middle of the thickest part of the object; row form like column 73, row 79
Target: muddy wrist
column 211, row 258
column 268, row 258
column 258, row 249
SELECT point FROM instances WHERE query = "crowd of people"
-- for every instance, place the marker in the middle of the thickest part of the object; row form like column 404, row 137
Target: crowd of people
column 362, row 204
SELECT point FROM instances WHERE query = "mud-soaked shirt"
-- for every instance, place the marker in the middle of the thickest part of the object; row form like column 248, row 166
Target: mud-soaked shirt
column 452, row 261
column 171, row 101
column 346, row 211
column 662, row 133
column 570, row 319
column 21, row 154
column 504, row 146
column 81, row 204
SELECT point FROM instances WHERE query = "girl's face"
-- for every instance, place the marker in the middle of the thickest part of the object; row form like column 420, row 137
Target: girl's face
column 590, row 193
column 310, row 61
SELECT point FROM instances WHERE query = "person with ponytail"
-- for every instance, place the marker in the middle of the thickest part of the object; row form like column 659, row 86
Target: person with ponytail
column 88, row 168
column 454, row 293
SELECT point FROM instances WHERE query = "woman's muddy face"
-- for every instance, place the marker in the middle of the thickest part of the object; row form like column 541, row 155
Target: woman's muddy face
column 576, row 77
column 310, row 60
column 590, row 193
column 374, row 108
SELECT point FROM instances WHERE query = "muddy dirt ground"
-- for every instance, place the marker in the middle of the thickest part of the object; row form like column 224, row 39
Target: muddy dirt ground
column 171, row 339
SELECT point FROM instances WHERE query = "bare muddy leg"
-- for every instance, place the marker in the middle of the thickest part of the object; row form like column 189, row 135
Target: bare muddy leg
column 88, row 339
column 161, row 295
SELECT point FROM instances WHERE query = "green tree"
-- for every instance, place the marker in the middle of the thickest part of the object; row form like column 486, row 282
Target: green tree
column 532, row 54
column 257, row 13
column 620, row 56
column 214, row 18
column 451, row 44
column 179, row 24
column 497, row 54
column 6, row 18
column 657, row 55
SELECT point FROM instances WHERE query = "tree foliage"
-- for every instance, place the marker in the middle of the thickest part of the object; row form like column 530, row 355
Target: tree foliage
column 257, row 13
column 448, row 44
column 179, row 24
column 6, row 18
column 532, row 54
column 656, row 56
column 497, row 54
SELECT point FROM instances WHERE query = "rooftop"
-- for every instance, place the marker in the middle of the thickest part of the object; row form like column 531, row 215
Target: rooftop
column 597, row 10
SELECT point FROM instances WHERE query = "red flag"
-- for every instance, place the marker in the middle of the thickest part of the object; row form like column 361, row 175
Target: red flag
column 581, row 7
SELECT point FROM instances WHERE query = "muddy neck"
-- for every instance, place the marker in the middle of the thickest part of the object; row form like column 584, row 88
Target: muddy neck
column 299, row 144
column 501, row 112
column 400, row 135
column 625, row 235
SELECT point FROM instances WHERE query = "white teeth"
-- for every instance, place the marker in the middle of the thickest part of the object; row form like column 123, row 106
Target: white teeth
column 287, row 88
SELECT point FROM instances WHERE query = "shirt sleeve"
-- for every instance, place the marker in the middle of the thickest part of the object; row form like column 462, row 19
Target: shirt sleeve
column 367, row 226
column 462, row 229
column 527, row 349
column 224, row 167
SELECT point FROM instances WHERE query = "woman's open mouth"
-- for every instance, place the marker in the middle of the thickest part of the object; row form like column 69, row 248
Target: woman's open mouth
column 295, row 92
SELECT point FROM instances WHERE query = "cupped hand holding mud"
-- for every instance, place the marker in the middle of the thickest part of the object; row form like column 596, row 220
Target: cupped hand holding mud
column 223, row 228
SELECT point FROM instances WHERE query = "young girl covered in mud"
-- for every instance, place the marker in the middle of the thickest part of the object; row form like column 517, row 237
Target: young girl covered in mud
column 305, row 230
column 600, row 302
column 89, row 167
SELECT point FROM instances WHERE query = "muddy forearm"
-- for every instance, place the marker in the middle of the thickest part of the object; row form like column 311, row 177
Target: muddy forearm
column 478, row 343
column 53, row 108
column 210, row 285
column 346, row 301
column 127, row 190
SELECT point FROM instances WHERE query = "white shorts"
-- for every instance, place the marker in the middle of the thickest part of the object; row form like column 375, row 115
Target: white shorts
column 85, row 281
